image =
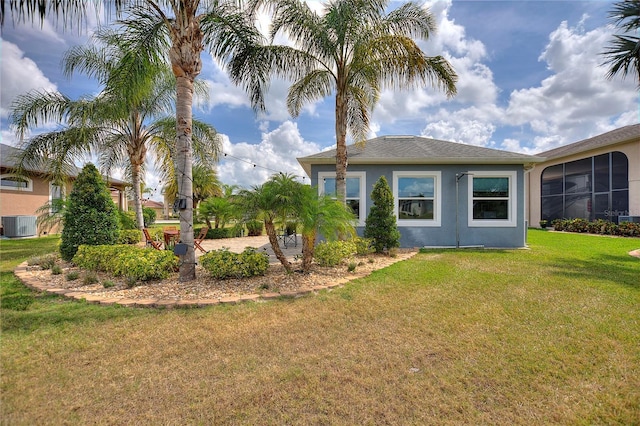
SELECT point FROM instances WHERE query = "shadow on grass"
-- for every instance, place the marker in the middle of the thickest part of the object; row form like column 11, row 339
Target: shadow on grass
column 621, row 270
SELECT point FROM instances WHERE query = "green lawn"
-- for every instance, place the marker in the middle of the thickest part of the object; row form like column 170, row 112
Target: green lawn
column 549, row 335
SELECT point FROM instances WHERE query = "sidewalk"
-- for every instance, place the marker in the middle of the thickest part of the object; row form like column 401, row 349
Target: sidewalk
column 237, row 245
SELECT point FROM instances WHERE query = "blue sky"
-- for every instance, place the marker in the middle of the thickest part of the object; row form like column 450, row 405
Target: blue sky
column 529, row 81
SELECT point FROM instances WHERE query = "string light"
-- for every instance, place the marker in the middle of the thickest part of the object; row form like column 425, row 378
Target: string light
column 254, row 165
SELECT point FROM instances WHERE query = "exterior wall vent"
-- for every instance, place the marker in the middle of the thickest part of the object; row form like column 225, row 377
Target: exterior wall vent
column 19, row 226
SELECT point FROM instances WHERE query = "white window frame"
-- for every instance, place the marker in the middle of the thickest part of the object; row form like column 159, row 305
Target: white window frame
column 512, row 207
column 363, row 196
column 29, row 187
column 437, row 198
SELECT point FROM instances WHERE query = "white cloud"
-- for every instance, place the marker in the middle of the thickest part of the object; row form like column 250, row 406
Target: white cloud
column 20, row 74
column 252, row 164
column 468, row 131
column 578, row 100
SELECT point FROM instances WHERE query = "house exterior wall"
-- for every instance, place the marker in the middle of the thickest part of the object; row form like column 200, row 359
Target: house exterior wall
column 21, row 202
column 444, row 234
column 534, row 182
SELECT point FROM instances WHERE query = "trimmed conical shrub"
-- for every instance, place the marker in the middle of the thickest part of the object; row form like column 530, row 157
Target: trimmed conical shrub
column 91, row 216
column 381, row 224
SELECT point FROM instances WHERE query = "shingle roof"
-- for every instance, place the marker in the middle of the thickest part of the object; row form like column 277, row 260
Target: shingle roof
column 9, row 154
column 418, row 150
column 621, row 135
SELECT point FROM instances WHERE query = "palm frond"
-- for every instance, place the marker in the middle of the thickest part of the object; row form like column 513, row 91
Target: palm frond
column 314, row 86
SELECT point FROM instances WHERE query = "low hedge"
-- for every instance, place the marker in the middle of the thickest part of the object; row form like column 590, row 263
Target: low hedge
column 129, row 236
column 222, row 264
column 132, row 262
column 602, row 227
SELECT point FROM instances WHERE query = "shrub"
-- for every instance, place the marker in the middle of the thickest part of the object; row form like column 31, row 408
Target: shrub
column 381, row 224
column 333, row 253
column 72, row 276
column 217, row 233
column 90, row 278
column 46, row 261
column 127, row 220
column 56, row 270
column 129, row 261
column 254, row 228
column 603, row 227
column 223, row 264
column 108, row 284
column 364, row 246
column 149, row 216
column 129, row 236
column 91, row 216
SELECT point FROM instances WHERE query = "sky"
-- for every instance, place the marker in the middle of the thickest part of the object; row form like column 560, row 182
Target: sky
column 530, row 79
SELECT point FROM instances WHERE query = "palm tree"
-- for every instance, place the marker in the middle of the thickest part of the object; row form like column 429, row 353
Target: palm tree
column 623, row 53
column 320, row 215
column 205, row 184
column 352, row 50
column 116, row 123
column 181, row 28
column 271, row 202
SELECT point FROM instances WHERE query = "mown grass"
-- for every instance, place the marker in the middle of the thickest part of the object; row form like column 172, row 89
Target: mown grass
column 548, row 335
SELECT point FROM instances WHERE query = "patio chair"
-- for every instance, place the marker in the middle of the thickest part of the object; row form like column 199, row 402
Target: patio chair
column 150, row 241
column 200, row 237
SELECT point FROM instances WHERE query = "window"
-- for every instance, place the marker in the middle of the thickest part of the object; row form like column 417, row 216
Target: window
column 355, row 189
column 17, row 183
column 590, row 188
column 56, row 196
column 492, row 197
column 417, row 196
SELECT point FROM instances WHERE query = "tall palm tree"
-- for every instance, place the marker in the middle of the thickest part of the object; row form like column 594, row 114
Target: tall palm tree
column 623, row 52
column 115, row 124
column 183, row 29
column 351, row 51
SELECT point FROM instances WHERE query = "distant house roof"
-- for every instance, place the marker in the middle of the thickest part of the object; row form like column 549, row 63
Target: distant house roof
column 418, row 150
column 614, row 137
column 8, row 160
column 152, row 204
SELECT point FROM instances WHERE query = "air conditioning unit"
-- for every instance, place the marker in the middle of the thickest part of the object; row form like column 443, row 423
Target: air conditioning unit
column 19, row 226
column 634, row 219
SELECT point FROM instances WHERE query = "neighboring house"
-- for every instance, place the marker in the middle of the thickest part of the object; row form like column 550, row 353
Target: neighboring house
column 155, row 205
column 446, row 194
column 21, row 197
column 596, row 178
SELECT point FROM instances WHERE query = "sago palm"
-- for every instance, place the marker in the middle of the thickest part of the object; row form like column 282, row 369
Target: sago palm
column 352, row 50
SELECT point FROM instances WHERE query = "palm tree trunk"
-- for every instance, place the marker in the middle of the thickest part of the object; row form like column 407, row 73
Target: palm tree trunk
column 308, row 248
column 186, row 46
column 273, row 239
column 183, row 167
column 137, row 196
column 341, row 147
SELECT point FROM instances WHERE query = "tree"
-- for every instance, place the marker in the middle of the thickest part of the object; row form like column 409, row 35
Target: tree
column 117, row 123
column 320, row 215
column 381, row 222
column 272, row 202
column 623, row 53
column 181, row 28
column 91, row 215
column 205, row 184
column 353, row 50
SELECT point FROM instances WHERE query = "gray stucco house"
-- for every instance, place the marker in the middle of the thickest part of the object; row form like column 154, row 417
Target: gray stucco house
column 446, row 194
